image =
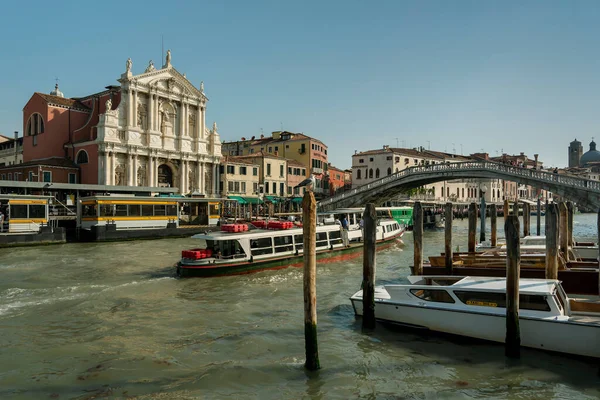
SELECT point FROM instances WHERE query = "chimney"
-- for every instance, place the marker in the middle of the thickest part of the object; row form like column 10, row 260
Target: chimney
column 16, row 147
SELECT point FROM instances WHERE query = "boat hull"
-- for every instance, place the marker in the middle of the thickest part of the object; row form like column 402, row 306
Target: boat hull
column 247, row 267
column 552, row 335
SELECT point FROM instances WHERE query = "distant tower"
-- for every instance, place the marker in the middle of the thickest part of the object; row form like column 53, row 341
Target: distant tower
column 575, row 153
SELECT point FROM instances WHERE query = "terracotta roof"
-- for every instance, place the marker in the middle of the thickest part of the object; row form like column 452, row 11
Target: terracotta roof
column 294, row 163
column 63, row 102
column 50, row 162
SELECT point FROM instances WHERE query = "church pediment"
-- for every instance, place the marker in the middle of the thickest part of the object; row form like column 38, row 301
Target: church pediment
column 168, row 79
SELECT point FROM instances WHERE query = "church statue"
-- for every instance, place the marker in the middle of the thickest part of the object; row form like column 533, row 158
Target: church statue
column 139, row 116
column 214, row 127
column 191, row 177
column 150, row 67
column 108, row 105
column 141, row 173
column 128, row 65
column 201, row 86
column 168, row 60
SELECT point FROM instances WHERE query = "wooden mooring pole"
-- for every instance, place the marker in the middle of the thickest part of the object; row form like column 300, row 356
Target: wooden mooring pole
column 418, row 238
column 448, row 238
column 551, row 241
column 563, row 225
column 309, row 231
column 472, row 227
column 512, row 342
column 570, row 211
column 368, row 285
column 539, row 216
column 526, row 219
column 493, row 225
column 506, row 209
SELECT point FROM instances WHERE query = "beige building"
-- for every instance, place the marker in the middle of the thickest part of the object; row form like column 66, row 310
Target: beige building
column 11, row 150
column 310, row 152
column 239, row 178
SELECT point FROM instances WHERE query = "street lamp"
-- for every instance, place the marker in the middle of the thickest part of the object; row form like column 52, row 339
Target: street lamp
column 482, row 189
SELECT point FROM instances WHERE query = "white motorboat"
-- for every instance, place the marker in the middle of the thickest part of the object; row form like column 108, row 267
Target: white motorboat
column 537, row 244
column 475, row 307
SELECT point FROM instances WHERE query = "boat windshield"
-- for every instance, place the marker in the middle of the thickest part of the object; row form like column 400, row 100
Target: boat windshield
column 226, row 249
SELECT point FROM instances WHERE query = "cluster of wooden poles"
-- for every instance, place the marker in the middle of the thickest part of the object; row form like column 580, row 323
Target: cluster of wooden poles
column 559, row 230
column 559, row 233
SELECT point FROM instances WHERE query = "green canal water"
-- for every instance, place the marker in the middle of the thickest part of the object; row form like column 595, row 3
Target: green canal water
column 87, row 321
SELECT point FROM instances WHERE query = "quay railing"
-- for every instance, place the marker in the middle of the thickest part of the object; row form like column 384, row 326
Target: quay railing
column 506, row 170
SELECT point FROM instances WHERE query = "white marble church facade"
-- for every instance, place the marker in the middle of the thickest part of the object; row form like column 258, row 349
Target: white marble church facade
column 157, row 135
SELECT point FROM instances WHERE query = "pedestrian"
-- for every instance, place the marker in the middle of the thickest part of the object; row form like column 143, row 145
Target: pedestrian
column 1, row 221
column 344, row 231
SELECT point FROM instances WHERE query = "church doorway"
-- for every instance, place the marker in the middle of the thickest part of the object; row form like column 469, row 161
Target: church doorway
column 165, row 176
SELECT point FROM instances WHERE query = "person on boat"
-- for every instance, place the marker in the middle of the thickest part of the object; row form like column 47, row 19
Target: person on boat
column 344, row 230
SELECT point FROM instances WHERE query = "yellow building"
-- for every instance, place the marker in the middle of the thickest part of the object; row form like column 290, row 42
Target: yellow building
column 239, row 179
column 308, row 151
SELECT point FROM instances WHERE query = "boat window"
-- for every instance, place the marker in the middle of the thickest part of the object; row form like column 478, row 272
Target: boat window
column 134, row 210
column 559, row 300
column 261, row 246
column 172, row 210
column 160, row 209
column 147, row 210
column 90, row 210
column 18, row 211
column 299, row 242
column 321, row 239
column 435, row 295
column 283, row 243
column 335, row 237
column 490, row 299
column 533, row 302
column 107, row 210
column 37, row 211
column 121, row 210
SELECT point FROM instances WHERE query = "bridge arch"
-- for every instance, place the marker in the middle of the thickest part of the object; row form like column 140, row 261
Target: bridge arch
column 582, row 191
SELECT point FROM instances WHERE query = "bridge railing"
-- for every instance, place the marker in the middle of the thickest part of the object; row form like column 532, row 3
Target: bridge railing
column 565, row 180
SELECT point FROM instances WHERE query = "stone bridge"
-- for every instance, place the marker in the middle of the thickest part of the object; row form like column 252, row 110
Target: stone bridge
column 584, row 192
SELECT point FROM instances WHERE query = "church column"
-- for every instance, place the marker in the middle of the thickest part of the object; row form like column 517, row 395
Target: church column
column 135, row 108
column 184, row 180
column 113, row 167
column 130, row 172
column 130, row 107
column 149, row 113
column 103, row 171
column 199, row 181
column 151, row 171
column 135, row 169
column 197, row 133
column 214, row 182
column 203, row 122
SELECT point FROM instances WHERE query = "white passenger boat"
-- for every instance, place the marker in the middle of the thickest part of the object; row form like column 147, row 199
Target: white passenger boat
column 475, row 307
column 241, row 251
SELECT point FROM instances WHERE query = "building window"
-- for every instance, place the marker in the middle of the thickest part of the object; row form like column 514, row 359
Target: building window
column 270, row 149
column 47, row 176
column 303, row 172
column 371, row 159
column 30, row 179
column 268, row 169
column 371, row 173
column 35, row 125
column 281, row 169
column 274, row 188
column 255, row 187
column 255, row 171
column 243, row 184
column 82, row 157
column 10, row 176
column 276, row 148
column 361, row 160
column 389, row 171
column 377, row 173
column 242, row 170
column 266, row 187
column 72, row 178
column 3, row 177
column 231, row 169
column 389, row 158
column 282, row 189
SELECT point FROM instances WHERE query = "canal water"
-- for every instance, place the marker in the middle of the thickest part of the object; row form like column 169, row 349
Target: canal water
column 87, row 321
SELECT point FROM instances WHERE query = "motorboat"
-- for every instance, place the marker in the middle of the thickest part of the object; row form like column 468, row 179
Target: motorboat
column 474, row 306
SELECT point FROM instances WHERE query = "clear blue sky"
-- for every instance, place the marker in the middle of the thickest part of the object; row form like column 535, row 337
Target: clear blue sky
column 493, row 75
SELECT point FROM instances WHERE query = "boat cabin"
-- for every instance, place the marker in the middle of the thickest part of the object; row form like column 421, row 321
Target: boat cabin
column 23, row 213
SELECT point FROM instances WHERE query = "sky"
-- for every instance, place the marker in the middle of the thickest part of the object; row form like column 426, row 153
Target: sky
column 454, row 76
